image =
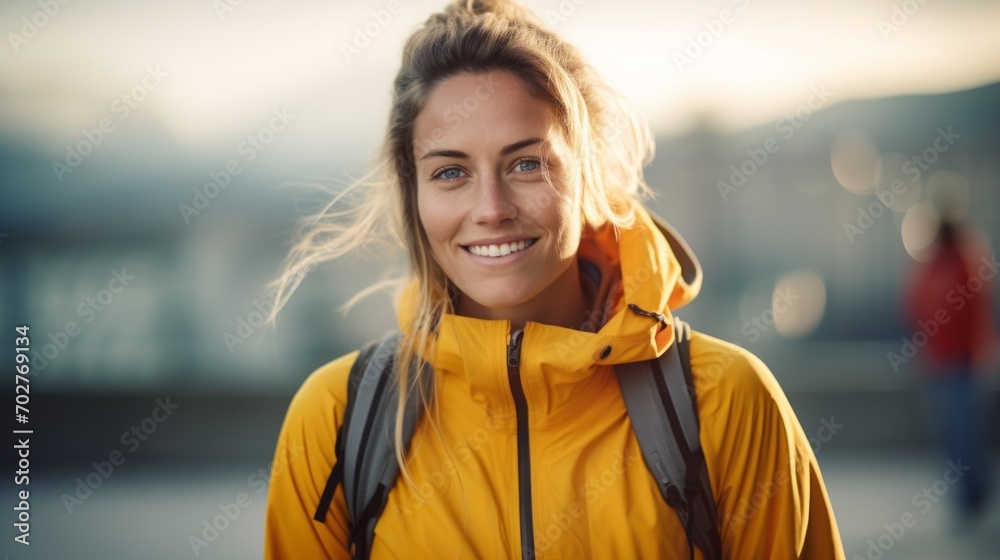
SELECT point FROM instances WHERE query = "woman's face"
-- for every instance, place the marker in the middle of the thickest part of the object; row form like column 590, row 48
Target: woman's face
column 503, row 235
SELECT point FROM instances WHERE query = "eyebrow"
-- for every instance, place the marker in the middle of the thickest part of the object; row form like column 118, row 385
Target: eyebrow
column 462, row 155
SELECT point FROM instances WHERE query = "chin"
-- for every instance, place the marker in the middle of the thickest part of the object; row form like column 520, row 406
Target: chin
column 497, row 295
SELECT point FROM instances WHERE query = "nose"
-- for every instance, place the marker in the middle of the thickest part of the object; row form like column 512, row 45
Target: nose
column 494, row 204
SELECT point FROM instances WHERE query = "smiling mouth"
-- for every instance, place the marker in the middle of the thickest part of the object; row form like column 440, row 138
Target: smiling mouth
column 501, row 250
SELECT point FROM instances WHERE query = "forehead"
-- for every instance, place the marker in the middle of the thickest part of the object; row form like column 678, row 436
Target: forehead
column 487, row 110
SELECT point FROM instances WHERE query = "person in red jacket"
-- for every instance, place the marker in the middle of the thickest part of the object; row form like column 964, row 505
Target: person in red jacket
column 949, row 302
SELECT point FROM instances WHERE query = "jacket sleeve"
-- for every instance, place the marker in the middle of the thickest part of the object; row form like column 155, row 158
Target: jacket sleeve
column 772, row 502
column 303, row 459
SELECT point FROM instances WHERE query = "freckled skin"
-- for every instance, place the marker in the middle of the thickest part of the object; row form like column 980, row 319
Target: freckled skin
column 488, row 195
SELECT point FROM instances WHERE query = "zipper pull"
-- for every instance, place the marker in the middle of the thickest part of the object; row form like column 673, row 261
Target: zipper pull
column 658, row 316
column 514, row 349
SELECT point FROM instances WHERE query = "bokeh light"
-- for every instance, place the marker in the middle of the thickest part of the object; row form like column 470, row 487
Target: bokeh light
column 919, row 228
column 855, row 158
column 807, row 293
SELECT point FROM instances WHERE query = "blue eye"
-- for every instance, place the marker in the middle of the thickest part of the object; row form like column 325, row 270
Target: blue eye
column 530, row 162
column 447, row 173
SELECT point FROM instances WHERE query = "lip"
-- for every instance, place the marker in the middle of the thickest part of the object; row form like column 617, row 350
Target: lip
column 499, row 240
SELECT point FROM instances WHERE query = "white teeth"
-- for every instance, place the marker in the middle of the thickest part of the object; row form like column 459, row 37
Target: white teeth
column 499, row 250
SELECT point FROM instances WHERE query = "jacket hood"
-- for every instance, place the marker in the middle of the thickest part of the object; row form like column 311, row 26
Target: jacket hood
column 638, row 276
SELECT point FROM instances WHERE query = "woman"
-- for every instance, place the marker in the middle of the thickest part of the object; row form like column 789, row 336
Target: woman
column 513, row 177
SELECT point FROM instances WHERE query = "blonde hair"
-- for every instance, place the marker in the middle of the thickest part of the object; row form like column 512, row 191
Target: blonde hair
column 609, row 141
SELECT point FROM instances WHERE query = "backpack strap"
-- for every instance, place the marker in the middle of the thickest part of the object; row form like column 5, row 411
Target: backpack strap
column 660, row 398
column 366, row 460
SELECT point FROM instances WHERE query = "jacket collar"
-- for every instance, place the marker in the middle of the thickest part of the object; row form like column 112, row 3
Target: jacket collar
column 641, row 274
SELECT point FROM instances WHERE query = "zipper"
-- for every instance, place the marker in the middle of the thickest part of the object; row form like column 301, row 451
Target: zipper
column 523, row 453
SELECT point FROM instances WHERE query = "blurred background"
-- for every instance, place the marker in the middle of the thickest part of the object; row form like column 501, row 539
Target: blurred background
column 155, row 158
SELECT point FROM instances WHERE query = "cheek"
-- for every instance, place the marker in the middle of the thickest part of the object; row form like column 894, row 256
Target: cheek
column 570, row 235
column 437, row 221
column 564, row 220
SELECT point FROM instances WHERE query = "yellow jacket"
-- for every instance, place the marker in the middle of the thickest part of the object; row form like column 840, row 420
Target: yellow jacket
column 591, row 493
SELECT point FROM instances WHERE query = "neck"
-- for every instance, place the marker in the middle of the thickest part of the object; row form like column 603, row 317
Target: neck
column 563, row 303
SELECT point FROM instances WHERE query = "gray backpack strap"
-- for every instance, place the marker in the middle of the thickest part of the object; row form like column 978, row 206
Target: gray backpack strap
column 659, row 395
column 365, row 451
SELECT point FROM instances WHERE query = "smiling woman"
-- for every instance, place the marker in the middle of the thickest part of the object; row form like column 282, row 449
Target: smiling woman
column 510, row 253
column 537, row 357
